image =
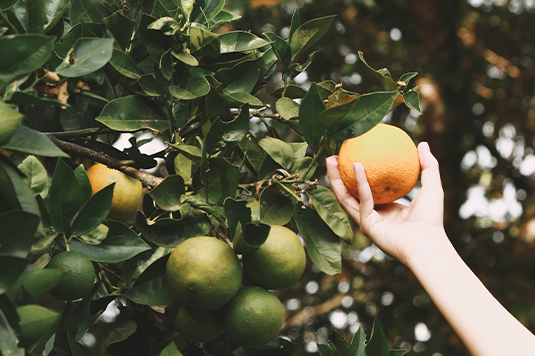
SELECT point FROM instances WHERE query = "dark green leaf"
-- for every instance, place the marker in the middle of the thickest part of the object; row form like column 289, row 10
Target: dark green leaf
column 83, row 181
column 275, row 208
column 384, row 77
column 121, row 331
column 6, row 4
column 327, row 349
column 207, row 10
column 27, row 140
column 309, row 117
column 330, row 116
column 302, row 166
column 367, row 112
column 26, row 54
column 9, row 121
column 280, row 151
column 36, row 175
column 125, row 65
column 167, row 232
column 323, row 246
column 412, row 100
column 78, row 349
column 170, row 350
column 186, row 58
column 254, row 154
column 377, row 345
column 224, row 133
column 168, row 25
column 250, row 237
column 204, row 43
column 405, row 78
column 240, row 79
column 14, row 191
column 196, row 87
column 130, row 113
column 90, row 54
column 331, row 212
column 54, row 12
column 157, row 42
column 163, row 8
column 30, row 99
column 121, row 244
column 236, row 211
column 151, row 287
column 10, row 270
column 307, row 34
column 358, row 341
column 193, row 153
column 93, row 212
column 287, row 108
column 221, row 181
column 150, row 86
column 292, row 91
column 167, row 194
column 344, row 348
column 296, row 21
column 64, row 197
column 36, row 282
column 239, row 41
column 397, row 352
column 187, row 7
column 8, row 338
column 35, row 15
column 17, row 233
column 88, row 11
column 282, row 49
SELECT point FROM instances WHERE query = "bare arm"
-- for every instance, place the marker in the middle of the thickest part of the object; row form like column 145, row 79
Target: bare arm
column 415, row 235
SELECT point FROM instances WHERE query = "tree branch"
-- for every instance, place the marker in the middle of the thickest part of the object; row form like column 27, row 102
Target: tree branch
column 69, row 147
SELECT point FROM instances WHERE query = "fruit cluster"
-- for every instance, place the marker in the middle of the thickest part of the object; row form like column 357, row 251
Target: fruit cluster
column 218, row 296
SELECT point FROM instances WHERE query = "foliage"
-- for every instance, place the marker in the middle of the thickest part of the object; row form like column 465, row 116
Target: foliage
column 77, row 74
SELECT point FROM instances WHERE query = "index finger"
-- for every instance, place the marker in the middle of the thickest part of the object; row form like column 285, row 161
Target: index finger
column 346, row 200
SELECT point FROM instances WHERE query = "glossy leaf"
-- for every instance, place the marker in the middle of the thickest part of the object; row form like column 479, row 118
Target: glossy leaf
column 157, row 42
column 332, row 115
column 221, row 181
column 239, row 41
column 130, row 113
column 196, row 87
column 36, row 175
column 54, row 12
column 36, row 282
column 121, row 244
column 16, row 237
column 35, row 15
column 27, row 140
column 64, row 197
column 168, row 25
column 253, row 152
column 412, row 100
column 90, row 54
column 150, row 85
column 187, row 7
column 224, row 133
column 287, row 108
column 125, row 65
column 151, row 287
column 384, row 77
column 367, row 112
column 14, row 191
column 88, row 11
column 292, row 91
column 323, row 246
column 186, row 59
column 9, row 121
column 296, row 21
column 331, row 212
column 327, row 349
column 309, row 117
column 167, row 194
column 19, row 97
column 26, row 54
column 236, row 211
column 377, row 345
column 193, row 153
column 282, row 49
column 8, row 338
column 93, row 212
column 35, row 318
column 405, row 78
column 207, row 10
column 358, row 341
column 250, row 237
column 85, row 185
column 204, row 43
column 275, row 208
column 344, row 348
column 170, row 350
column 397, row 352
column 307, row 34
column 280, row 151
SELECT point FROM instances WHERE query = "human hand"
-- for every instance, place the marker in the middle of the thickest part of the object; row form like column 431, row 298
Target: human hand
column 398, row 230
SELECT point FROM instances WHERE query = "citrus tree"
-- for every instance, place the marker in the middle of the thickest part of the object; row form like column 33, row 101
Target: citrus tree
column 76, row 74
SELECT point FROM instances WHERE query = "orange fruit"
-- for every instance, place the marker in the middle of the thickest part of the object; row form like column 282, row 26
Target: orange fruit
column 127, row 192
column 390, row 159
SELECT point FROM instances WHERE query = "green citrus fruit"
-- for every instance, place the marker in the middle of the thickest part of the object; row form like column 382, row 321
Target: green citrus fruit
column 127, row 192
column 253, row 318
column 80, row 276
column 35, row 321
column 198, row 325
column 204, row 273
column 279, row 262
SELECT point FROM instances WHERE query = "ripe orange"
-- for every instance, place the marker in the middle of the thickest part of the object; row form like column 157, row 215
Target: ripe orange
column 390, row 159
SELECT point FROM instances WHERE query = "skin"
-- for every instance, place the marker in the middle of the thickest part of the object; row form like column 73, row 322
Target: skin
column 415, row 236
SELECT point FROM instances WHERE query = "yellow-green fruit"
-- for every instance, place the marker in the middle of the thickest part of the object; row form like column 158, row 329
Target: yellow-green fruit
column 127, row 192
column 80, row 277
column 253, row 318
column 204, row 273
column 279, row 262
column 35, row 321
column 198, row 325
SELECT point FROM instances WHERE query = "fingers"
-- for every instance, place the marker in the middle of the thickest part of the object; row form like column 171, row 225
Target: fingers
column 430, row 173
column 365, row 192
column 346, row 200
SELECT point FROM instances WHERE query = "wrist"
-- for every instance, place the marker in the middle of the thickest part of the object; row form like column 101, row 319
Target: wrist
column 425, row 252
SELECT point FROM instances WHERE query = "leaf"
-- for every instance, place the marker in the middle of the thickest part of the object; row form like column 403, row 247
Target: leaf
column 193, row 153
column 157, row 42
column 359, row 342
column 35, row 320
column 36, row 282
column 93, row 212
column 412, row 100
column 88, row 11
column 11, row 268
column 125, row 65
column 204, row 43
column 9, row 121
column 309, row 117
column 332, row 115
column 54, row 12
column 36, row 175
column 280, row 151
column 130, row 113
column 151, row 287
column 78, row 349
column 207, row 10
column 344, row 348
column 236, row 211
column 121, row 244
column 327, row 349
column 17, row 233
column 250, row 237
column 187, row 7
column 196, row 87
column 35, row 15
column 296, row 21
column 287, row 108
column 90, row 54
column 163, row 8
column 19, row 97
column 253, row 153
column 275, row 208
column 167, row 194
column 224, row 133
column 384, row 77
column 397, row 352
column 26, row 54
column 221, row 181
column 64, row 197
column 331, row 212
column 292, row 91
column 8, row 338
column 27, row 140
column 15, row 193
column 323, row 246
column 377, row 345
column 367, row 112
column 83, row 181
column 307, row 34
column 405, row 78
column 240, row 41
column 281, row 48
column 186, row 58
column 168, row 25
column 170, row 350
column 121, row 331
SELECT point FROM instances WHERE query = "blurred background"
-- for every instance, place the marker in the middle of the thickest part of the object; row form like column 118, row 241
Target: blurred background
column 476, row 68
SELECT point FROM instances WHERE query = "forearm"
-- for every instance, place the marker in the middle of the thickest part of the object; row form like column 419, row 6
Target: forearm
column 482, row 323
